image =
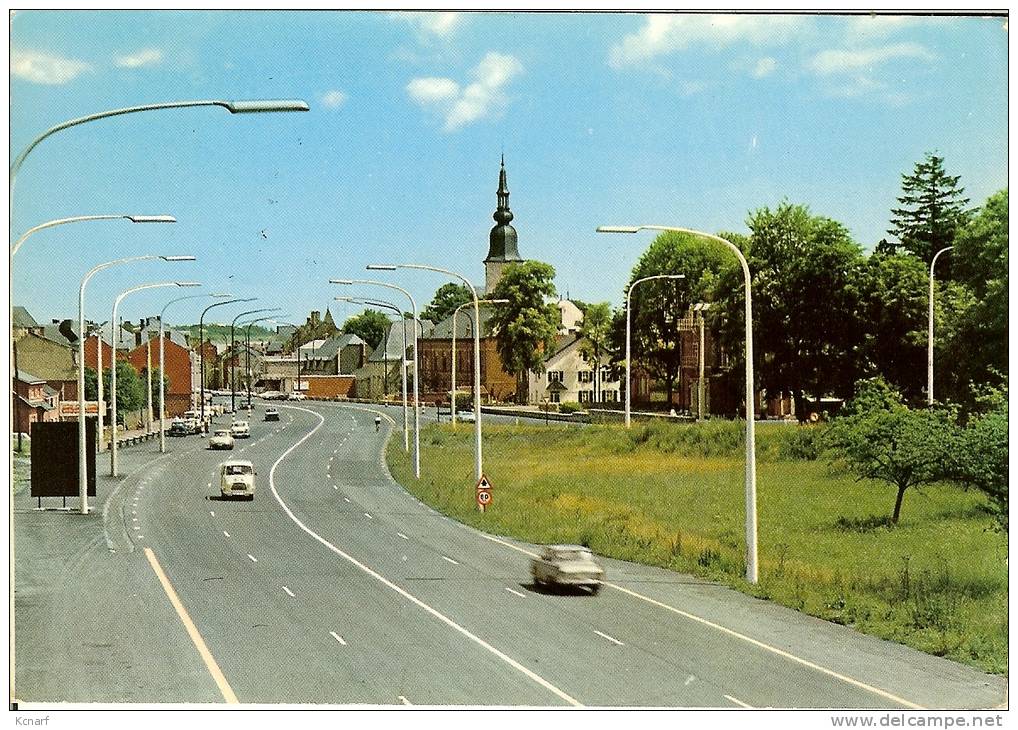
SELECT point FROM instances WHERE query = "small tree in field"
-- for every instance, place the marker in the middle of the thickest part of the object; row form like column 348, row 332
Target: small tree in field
column 878, row 437
column 981, row 459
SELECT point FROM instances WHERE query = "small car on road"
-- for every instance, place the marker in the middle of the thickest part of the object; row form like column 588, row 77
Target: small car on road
column 271, row 414
column 567, row 565
column 221, row 439
column 240, row 430
column 237, row 478
column 296, row 396
column 180, row 427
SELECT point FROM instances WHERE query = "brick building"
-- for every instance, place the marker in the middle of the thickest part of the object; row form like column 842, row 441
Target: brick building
column 179, row 364
column 34, row 400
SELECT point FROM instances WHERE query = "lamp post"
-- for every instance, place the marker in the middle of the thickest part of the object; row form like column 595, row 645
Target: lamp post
column 752, row 573
column 162, row 396
column 417, row 372
column 201, row 345
column 247, row 344
column 81, row 218
column 629, row 309
column 385, row 354
column 82, row 442
column 929, row 337
column 476, row 326
column 700, row 308
column 233, row 353
column 113, row 370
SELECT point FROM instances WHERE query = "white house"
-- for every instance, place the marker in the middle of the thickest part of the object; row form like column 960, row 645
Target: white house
column 568, row 378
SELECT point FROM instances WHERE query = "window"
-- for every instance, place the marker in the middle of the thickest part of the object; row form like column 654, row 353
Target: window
column 554, row 397
column 586, row 396
column 586, row 376
column 555, row 376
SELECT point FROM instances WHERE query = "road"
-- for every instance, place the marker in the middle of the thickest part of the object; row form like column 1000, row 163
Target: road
column 336, row 586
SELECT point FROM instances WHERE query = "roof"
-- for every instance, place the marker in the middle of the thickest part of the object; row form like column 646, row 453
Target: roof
column 46, row 358
column 464, row 325
column 21, row 319
column 36, row 403
column 328, row 349
column 395, row 339
column 556, row 386
column 28, row 378
column 49, row 391
column 237, row 462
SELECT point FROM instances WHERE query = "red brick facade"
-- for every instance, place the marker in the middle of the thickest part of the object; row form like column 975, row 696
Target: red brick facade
column 436, row 375
column 177, row 365
column 329, row 386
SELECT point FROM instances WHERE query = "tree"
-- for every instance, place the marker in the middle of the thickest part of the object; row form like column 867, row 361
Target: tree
column 130, row 389
column 932, row 209
column 525, row 327
column 981, row 459
column 596, row 331
column 659, row 307
column 155, row 388
column 806, row 273
column 878, row 437
column 446, row 299
column 369, row 325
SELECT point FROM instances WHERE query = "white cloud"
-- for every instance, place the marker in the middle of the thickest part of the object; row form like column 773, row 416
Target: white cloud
column 333, row 99
column 42, row 68
column 482, row 97
column 764, row 67
column 441, row 25
column 663, row 34
column 838, row 61
column 144, row 57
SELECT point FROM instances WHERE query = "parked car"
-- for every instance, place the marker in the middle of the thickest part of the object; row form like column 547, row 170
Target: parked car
column 297, row 396
column 240, row 430
column 180, row 427
column 271, row 414
column 567, row 565
column 270, row 395
column 221, row 439
column 237, row 478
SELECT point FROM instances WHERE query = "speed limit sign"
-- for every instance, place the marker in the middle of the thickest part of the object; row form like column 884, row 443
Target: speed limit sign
column 483, row 493
column 484, row 498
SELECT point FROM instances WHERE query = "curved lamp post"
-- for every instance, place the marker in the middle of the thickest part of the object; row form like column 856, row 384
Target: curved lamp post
column 162, row 405
column 417, row 372
column 201, row 348
column 81, row 218
column 385, row 354
column 477, row 326
column 233, row 352
column 82, row 444
column 752, row 573
column 247, row 354
column 113, row 370
column 929, row 337
column 629, row 309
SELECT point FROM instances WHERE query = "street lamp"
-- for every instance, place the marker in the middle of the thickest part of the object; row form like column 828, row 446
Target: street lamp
column 385, row 356
column 629, row 309
column 201, row 346
column 929, row 338
column 478, row 456
column 417, row 372
column 700, row 307
column 82, row 444
column 80, row 218
column 233, row 353
column 113, row 370
column 162, row 405
column 477, row 326
column 247, row 354
column 752, row 573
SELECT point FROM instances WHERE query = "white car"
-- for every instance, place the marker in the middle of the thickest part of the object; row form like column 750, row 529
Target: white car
column 567, row 565
column 221, row 439
column 237, row 478
column 240, row 430
column 297, row 396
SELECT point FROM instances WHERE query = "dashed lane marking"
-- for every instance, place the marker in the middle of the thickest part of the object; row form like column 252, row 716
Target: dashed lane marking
column 402, row 535
column 346, row 499
column 253, row 558
column 338, row 638
column 289, row 592
column 740, row 703
column 226, row 533
column 612, row 639
column 368, row 516
column 515, row 592
column 404, row 700
column 450, row 560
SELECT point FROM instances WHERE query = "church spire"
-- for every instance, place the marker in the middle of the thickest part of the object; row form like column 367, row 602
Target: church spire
column 502, row 214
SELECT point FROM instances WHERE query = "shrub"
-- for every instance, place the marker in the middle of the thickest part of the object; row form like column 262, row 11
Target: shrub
column 569, row 407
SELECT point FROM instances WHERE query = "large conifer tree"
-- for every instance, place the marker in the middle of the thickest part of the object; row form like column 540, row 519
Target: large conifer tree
column 932, row 209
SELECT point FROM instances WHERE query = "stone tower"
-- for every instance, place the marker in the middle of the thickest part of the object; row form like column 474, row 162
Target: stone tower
column 502, row 249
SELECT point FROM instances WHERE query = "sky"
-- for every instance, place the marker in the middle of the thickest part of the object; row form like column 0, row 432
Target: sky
column 603, row 118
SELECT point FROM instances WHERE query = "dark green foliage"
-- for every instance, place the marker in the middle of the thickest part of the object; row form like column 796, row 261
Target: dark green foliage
column 981, row 459
column 369, row 325
column 596, row 349
column 932, row 209
column 569, row 407
column 446, row 299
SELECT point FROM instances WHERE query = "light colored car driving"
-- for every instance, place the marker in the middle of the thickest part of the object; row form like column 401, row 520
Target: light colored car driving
column 240, row 430
column 237, row 478
column 221, row 439
column 296, row 396
column 567, row 565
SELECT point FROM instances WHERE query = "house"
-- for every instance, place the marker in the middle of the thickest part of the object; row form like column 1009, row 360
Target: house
column 180, row 370
column 335, row 356
column 379, row 377
column 570, row 378
column 54, row 362
column 33, row 401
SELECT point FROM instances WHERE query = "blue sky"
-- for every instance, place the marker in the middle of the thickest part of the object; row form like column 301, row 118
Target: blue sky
column 690, row 120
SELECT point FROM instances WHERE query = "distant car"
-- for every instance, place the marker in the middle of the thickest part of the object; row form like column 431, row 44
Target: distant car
column 240, row 430
column 221, row 439
column 271, row 414
column 567, row 565
column 270, row 395
column 180, row 427
column 465, row 416
column 297, row 396
column 237, row 478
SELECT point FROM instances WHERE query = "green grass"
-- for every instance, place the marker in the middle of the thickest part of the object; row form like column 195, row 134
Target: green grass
column 672, row 495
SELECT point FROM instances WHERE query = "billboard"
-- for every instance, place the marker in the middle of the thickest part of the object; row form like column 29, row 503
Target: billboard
column 55, row 458
column 69, row 409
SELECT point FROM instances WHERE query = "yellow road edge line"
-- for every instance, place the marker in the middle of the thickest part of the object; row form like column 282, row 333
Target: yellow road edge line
column 192, row 630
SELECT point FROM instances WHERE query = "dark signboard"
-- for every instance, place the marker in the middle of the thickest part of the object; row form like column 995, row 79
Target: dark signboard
column 55, row 458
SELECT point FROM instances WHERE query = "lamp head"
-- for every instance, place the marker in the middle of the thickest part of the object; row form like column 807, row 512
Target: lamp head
column 257, row 106
column 618, row 229
column 381, row 267
column 177, row 258
column 151, row 218
column 188, row 283
column 346, row 282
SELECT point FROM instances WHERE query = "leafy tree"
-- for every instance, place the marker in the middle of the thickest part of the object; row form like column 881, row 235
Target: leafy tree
column 446, row 299
column 143, row 377
column 130, row 389
column 932, row 209
column 981, row 459
column 659, row 307
column 525, row 327
column 878, row 437
column 596, row 346
column 369, row 325
column 806, row 273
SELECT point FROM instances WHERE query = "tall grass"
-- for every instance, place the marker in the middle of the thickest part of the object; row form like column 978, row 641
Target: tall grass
column 672, row 495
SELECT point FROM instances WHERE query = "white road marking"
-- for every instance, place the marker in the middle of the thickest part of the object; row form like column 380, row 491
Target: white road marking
column 289, row 592
column 740, row 703
column 612, row 639
column 210, row 485
column 515, row 592
column 346, row 499
column 450, row 560
column 136, row 527
column 212, row 513
column 402, row 535
column 689, row 680
column 338, row 638
column 335, row 487
column 404, row 700
column 368, row 516
column 392, row 586
column 226, row 533
column 253, row 558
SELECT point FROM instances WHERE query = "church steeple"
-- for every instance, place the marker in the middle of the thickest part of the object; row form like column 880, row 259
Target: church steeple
column 502, row 239
column 502, row 214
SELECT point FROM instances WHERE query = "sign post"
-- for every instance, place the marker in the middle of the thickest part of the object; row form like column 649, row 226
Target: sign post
column 483, row 493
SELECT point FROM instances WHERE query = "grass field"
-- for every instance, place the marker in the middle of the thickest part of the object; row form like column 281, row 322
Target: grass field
column 672, row 495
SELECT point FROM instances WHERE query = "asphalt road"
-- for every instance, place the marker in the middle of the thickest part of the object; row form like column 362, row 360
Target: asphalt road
column 336, row 586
